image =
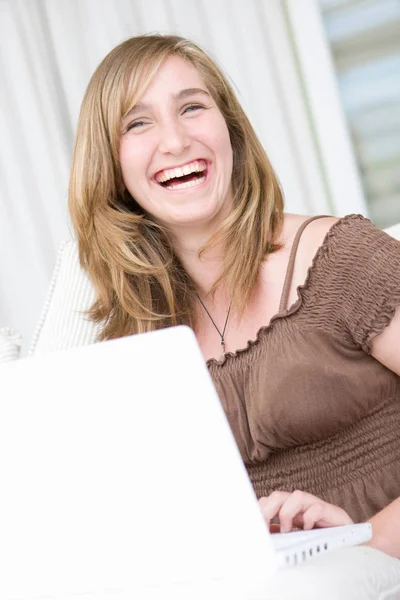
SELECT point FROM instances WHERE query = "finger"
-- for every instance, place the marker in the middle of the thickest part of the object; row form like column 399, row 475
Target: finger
column 313, row 515
column 324, row 514
column 303, row 510
column 271, row 505
column 293, row 509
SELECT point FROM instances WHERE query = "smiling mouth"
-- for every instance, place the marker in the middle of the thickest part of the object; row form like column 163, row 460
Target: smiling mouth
column 180, row 178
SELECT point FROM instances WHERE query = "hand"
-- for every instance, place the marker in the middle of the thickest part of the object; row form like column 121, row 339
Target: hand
column 300, row 509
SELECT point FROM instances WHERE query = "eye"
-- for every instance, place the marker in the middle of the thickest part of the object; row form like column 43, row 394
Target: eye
column 191, row 108
column 135, row 125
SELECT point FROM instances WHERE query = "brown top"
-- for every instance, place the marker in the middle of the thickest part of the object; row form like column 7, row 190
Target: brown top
column 309, row 406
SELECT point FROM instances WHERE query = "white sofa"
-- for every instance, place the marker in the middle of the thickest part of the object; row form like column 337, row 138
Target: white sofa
column 394, row 231
column 352, row 573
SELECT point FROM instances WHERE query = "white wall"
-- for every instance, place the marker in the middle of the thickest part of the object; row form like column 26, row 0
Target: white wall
column 48, row 51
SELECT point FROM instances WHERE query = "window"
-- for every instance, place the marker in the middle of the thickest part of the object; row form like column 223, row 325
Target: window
column 364, row 37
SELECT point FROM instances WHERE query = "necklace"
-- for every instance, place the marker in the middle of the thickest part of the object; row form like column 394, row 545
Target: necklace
column 221, row 335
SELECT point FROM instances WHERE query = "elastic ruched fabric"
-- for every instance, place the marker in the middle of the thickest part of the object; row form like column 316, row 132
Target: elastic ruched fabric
column 309, row 407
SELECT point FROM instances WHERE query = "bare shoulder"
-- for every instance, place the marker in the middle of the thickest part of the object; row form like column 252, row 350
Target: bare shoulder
column 312, row 237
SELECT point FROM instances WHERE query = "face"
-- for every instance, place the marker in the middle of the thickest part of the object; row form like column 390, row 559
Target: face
column 175, row 151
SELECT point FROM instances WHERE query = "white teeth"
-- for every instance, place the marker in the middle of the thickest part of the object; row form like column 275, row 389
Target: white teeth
column 178, row 172
column 193, row 167
column 186, row 184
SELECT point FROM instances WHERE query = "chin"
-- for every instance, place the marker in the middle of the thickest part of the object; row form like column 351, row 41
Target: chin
column 195, row 218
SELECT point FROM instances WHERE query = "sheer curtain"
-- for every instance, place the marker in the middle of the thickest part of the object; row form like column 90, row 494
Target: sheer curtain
column 50, row 48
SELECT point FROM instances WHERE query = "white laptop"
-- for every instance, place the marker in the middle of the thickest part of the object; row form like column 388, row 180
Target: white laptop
column 120, row 478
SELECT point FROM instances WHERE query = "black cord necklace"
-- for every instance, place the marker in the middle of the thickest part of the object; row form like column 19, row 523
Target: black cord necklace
column 221, row 335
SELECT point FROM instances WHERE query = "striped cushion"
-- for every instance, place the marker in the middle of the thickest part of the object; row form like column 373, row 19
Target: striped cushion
column 63, row 323
column 10, row 344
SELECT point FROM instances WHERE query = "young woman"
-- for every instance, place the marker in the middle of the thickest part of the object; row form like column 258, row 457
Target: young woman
column 179, row 219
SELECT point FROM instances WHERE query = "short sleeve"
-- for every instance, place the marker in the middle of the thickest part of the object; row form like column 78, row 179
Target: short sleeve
column 368, row 267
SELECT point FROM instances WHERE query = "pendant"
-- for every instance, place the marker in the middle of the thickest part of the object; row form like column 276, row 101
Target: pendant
column 222, row 355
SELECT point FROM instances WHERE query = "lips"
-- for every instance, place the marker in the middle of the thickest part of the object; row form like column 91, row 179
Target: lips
column 188, row 175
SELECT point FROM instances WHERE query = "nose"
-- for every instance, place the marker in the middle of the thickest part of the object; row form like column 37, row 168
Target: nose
column 173, row 138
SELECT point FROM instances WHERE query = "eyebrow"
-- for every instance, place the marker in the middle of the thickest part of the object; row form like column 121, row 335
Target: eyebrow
column 190, row 92
column 182, row 94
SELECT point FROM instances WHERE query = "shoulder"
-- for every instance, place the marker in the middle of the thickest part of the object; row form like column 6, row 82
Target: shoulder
column 312, row 236
column 348, row 229
column 314, row 232
column 349, row 240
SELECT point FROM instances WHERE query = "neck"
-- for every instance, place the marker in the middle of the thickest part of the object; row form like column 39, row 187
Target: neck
column 203, row 271
column 189, row 239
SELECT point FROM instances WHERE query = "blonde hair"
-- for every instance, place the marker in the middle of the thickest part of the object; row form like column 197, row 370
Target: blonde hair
column 139, row 281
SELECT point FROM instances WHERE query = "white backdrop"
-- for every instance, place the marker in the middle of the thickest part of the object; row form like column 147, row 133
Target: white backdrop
column 49, row 49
